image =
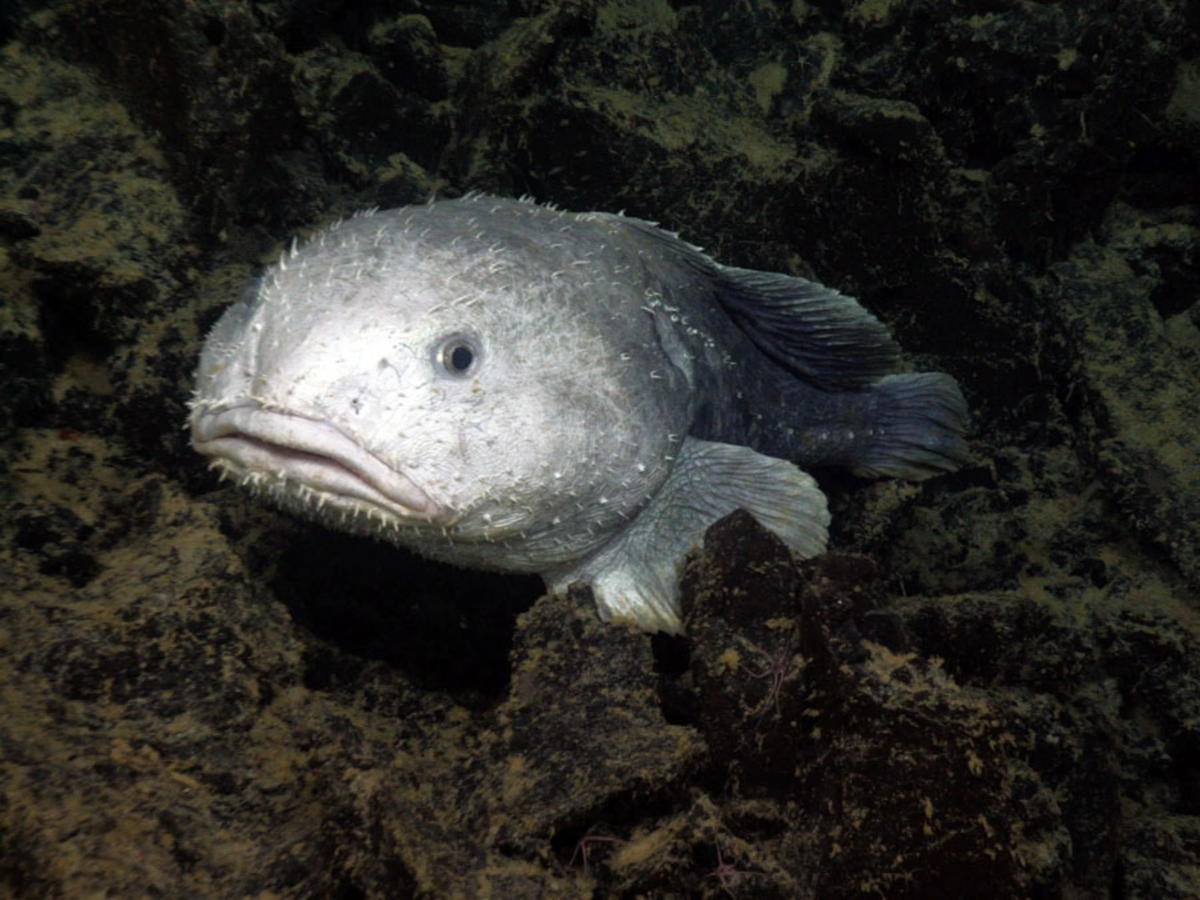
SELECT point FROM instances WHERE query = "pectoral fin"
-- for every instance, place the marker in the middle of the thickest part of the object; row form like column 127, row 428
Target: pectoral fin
column 635, row 578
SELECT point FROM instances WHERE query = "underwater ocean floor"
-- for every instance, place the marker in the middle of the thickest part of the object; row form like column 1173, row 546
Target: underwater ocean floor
column 989, row 687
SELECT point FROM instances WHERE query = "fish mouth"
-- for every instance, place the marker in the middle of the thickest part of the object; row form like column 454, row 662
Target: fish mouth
column 308, row 460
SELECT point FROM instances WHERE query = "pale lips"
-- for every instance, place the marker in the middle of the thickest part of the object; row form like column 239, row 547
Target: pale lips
column 285, row 446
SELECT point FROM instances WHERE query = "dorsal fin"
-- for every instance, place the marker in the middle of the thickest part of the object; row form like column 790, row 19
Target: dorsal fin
column 819, row 334
column 816, row 333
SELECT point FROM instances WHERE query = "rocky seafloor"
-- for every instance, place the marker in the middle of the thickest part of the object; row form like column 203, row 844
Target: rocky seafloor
column 990, row 687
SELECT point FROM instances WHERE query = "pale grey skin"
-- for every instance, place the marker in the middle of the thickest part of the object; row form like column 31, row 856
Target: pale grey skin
column 507, row 386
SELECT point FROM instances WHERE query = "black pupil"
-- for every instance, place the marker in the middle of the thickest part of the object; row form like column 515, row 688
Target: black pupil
column 460, row 358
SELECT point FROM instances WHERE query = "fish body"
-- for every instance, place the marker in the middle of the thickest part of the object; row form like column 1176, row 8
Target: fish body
column 504, row 385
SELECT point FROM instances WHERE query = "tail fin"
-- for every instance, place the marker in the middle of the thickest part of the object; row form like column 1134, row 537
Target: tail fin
column 919, row 422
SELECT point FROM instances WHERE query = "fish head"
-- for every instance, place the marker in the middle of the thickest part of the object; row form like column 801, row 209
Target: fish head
column 450, row 396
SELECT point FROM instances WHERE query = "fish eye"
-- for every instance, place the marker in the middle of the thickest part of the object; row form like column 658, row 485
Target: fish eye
column 458, row 355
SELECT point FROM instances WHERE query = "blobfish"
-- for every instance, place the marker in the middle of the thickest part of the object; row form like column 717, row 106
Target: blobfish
column 504, row 385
